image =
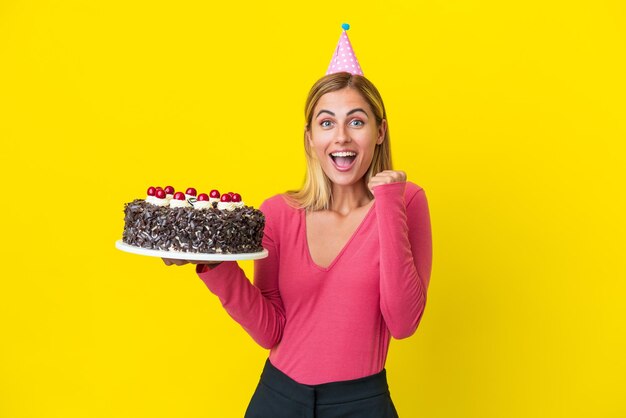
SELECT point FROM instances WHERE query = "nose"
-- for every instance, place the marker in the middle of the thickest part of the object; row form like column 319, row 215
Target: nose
column 342, row 135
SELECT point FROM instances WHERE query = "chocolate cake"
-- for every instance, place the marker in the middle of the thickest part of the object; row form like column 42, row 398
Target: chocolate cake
column 199, row 225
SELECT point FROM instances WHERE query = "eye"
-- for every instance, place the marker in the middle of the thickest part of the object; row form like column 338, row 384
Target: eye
column 357, row 122
column 325, row 123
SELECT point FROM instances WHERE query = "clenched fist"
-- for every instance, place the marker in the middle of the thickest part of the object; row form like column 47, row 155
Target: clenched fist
column 386, row 177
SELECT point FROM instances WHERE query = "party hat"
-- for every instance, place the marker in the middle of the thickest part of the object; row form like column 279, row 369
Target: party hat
column 344, row 58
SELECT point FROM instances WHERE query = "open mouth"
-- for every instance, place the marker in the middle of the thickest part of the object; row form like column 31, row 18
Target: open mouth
column 343, row 160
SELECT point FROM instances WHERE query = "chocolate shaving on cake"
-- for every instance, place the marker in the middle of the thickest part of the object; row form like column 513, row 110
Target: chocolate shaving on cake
column 199, row 231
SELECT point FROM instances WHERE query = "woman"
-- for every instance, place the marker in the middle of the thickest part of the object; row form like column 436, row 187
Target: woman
column 348, row 267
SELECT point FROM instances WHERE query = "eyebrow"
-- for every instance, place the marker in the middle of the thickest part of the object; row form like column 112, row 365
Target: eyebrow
column 358, row 109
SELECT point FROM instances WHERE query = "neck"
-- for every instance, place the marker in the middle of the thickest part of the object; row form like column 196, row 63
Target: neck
column 348, row 198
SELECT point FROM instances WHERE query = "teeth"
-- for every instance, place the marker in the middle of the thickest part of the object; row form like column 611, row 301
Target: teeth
column 344, row 154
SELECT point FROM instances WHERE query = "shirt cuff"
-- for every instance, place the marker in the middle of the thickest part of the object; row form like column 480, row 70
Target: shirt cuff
column 389, row 188
column 206, row 268
column 203, row 268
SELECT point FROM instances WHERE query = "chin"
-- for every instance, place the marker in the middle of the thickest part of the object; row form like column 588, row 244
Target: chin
column 347, row 179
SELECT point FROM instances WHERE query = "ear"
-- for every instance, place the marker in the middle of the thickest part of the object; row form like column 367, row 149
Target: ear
column 382, row 129
column 307, row 134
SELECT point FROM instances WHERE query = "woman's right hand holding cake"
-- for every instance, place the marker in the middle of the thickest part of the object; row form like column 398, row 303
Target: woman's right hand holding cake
column 177, row 262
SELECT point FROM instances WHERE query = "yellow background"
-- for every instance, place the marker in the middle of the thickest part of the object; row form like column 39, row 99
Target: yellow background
column 510, row 114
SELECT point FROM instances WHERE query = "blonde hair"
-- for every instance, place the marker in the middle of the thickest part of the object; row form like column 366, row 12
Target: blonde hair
column 316, row 192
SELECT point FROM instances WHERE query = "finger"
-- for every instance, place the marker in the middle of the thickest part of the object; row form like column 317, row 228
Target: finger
column 394, row 174
column 387, row 174
column 373, row 184
column 391, row 176
column 167, row 261
column 382, row 179
column 379, row 178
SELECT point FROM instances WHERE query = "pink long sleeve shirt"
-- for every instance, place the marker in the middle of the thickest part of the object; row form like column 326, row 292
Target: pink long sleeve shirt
column 334, row 323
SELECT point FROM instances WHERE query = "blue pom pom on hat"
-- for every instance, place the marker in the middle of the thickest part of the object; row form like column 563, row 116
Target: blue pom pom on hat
column 344, row 58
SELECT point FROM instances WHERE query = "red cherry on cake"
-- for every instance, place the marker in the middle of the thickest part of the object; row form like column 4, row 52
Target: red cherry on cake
column 191, row 191
column 151, row 191
column 203, row 197
column 159, row 188
column 236, row 197
column 226, row 198
column 214, row 194
column 160, row 194
column 169, row 190
column 179, row 196
column 231, row 194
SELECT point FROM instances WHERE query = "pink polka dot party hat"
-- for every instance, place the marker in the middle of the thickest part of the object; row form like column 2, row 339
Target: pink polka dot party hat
column 344, row 58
